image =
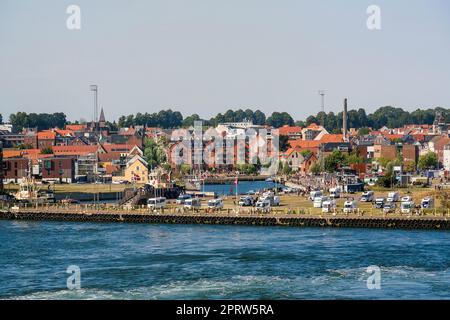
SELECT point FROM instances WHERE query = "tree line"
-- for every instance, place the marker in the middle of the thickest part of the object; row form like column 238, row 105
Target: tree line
column 390, row 117
column 41, row 121
column 385, row 116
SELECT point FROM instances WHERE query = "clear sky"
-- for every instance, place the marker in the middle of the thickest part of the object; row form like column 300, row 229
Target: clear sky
column 205, row 56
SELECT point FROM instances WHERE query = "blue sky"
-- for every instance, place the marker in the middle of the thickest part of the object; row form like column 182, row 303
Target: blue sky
column 206, row 56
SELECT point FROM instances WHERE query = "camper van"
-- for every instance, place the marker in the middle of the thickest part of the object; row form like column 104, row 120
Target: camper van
column 335, row 193
column 328, row 206
column 427, row 203
column 315, row 194
column 215, row 204
column 318, row 201
column 350, row 206
column 407, row 207
column 367, row 196
column 389, row 207
column 263, row 205
column 193, row 203
column 156, row 203
column 246, row 201
column 274, row 200
column 393, row 196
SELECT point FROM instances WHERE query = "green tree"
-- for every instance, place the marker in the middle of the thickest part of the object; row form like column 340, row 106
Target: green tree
column 153, row 153
column 353, row 158
column 185, row 169
column 363, row 131
column 284, row 143
column 279, row 119
column 47, row 150
column 287, row 170
column 316, row 168
column 189, row 121
column 305, row 153
column 334, row 161
column 428, row 161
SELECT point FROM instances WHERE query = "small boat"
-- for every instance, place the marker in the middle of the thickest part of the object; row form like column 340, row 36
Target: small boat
column 269, row 180
column 29, row 192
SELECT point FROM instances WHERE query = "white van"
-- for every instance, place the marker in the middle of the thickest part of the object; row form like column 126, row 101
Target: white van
column 193, row 203
column 156, row 203
column 350, row 206
column 367, row 196
column 393, row 196
column 315, row 194
column 215, row 204
column 182, row 198
column 328, row 206
column 407, row 206
column 427, row 203
column 318, row 201
column 335, row 193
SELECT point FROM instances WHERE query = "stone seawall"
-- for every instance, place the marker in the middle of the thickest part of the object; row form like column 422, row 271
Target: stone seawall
column 297, row 221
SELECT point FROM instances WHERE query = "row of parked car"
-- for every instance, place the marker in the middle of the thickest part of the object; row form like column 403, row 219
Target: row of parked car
column 265, row 201
column 388, row 204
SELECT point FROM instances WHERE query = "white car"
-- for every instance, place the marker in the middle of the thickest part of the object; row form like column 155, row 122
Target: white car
column 406, row 199
column 427, row 203
column 315, row 194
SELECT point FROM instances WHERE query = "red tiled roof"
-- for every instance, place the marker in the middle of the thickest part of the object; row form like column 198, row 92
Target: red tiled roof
column 65, row 132
column 11, row 153
column 76, row 127
column 331, row 138
column 74, row 150
column 287, row 130
column 46, row 135
column 118, row 147
column 304, row 143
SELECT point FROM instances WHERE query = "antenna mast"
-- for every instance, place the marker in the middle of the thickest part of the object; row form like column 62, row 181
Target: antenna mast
column 322, row 107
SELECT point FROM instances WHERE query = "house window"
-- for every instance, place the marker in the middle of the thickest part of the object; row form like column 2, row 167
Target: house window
column 137, row 168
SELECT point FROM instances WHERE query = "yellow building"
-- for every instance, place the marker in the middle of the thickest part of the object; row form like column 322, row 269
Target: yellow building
column 136, row 171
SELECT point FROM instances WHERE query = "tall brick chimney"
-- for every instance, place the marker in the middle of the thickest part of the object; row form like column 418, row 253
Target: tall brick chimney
column 344, row 121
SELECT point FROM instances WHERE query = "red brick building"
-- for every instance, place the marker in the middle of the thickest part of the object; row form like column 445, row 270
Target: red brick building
column 15, row 169
column 58, row 169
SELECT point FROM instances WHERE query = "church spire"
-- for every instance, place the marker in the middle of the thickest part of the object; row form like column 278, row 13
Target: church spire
column 102, row 117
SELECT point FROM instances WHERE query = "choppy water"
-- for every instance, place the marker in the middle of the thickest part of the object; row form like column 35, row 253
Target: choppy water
column 139, row 261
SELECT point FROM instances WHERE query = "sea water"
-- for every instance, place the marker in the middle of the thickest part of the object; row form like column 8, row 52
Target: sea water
column 145, row 261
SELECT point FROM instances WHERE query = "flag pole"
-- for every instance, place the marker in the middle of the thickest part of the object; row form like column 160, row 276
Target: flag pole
column 236, row 185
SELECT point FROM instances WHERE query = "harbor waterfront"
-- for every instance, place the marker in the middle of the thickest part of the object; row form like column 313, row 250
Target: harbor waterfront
column 143, row 261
